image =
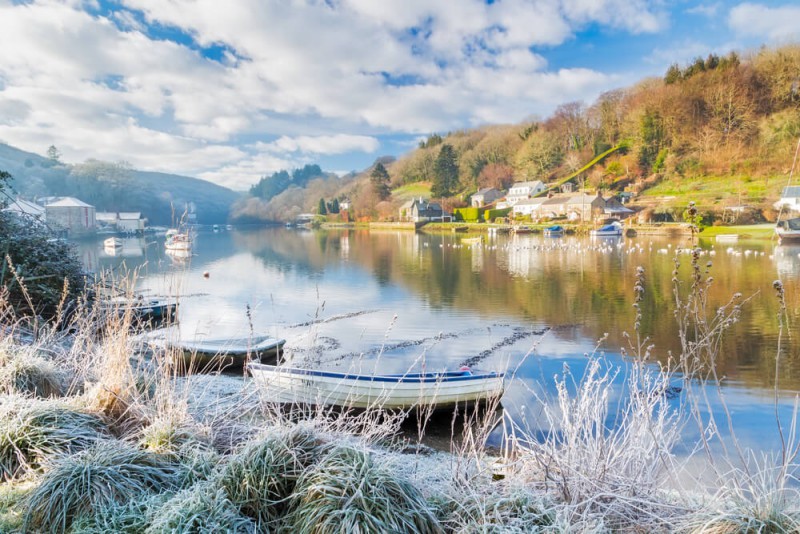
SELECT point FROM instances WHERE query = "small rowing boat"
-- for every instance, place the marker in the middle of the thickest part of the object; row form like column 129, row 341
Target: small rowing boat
column 291, row 385
column 142, row 311
column 223, row 353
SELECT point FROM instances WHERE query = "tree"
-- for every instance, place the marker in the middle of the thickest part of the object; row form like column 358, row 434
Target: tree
column 673, row 74
column 380, row 182
column 333, row 206
column 652, row 136
column 445, row 173
column 53, row 154
column 321, row 209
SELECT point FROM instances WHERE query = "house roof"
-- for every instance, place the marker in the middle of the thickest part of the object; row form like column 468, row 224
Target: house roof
column 130, row 215
column 486, row 190
column 792, row 191
column 531, row 184
column 25, row 206
column 532, row 201
column 103, row 216
column 69, row 202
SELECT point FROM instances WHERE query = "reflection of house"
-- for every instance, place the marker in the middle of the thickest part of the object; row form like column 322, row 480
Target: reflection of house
column 523, row 190
column 790, row 199
column 72, row 215
column 130, row 222
column 27, row 209
column 421, row 210
column 575, row 207
column 485, row 196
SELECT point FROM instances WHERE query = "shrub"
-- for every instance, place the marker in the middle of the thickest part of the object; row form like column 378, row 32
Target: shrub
column 493, row 214
column 32, row 431
column 24, row 372
column 131, row 517
column 515, row 511
column 467, row 214
column 202, row 509
column 347, row 492
column 262, row 476
column 112, row 472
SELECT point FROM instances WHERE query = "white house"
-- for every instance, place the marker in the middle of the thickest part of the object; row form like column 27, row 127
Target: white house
column 523, row 190
column 71, row 215
column 529, row 206
column 790, row 199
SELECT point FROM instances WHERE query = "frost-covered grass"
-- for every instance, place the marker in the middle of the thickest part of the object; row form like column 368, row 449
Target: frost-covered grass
column 123, row 444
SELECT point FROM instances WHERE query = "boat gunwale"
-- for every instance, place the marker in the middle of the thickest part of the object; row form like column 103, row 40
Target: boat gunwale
column 408, row 378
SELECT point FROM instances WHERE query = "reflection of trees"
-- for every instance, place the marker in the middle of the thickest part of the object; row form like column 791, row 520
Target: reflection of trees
column 584, row 288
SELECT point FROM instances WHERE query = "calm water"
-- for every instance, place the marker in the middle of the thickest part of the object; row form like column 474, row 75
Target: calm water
column 362, row 300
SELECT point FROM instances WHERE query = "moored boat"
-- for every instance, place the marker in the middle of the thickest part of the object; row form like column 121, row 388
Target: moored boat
column 222, row 353
column 291, row 385
column 554, row 231
column 177, row 241
column 613, row 229
column 521, row 230
column 788, row 230
column 149, row 311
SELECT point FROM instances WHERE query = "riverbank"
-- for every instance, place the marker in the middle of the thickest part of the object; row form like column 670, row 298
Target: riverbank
column 80, row 415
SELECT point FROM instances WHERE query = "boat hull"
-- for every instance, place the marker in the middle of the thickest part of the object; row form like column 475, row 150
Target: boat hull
column 222, row 354
column 307, row 387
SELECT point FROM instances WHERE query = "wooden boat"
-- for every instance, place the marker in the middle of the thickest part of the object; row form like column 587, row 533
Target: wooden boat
column 292, row 385
column 460, row 229
column 112, row 242
column 554, row 231
column 223, row 353
column 613, row 229
column 521, row 230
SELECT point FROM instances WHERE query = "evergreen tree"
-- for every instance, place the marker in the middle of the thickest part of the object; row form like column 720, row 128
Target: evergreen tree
column 445, row 173
column 321, row 209
column 380, row 181
column 334, row 206
column 53, row 154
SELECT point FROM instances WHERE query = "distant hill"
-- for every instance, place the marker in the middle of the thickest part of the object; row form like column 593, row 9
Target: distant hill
column 160, row 197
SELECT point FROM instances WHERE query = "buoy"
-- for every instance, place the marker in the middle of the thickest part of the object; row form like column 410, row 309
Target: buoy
column 206, row 274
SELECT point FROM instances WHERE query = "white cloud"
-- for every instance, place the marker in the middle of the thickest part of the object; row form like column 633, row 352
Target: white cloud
column 324, row 77
column 707, row 10
column 323, row 144
column 771, row 23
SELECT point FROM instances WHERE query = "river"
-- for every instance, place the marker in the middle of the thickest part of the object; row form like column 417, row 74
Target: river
column 360, row 300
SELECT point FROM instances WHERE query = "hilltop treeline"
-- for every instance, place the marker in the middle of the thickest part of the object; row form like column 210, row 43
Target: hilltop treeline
column 283, row 195
column 718, row 115
column 734, row 118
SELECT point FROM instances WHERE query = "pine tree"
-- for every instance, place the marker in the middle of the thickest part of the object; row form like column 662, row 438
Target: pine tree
column 321, row 209
column 445, row 173
column 380, row 181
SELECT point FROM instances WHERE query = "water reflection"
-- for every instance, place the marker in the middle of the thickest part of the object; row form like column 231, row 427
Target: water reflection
column 389, row 301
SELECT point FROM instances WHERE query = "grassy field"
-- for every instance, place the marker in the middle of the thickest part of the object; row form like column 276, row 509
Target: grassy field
column 409, row 191
column 752, row 231
column 715, row 192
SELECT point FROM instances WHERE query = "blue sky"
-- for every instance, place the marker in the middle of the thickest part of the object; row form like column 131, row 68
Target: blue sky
column 235, row 90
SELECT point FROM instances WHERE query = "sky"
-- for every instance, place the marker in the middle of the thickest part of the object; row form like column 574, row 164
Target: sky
column 233, row 90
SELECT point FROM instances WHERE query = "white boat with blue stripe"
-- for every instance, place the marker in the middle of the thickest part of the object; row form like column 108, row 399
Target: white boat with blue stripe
column 291, row 385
